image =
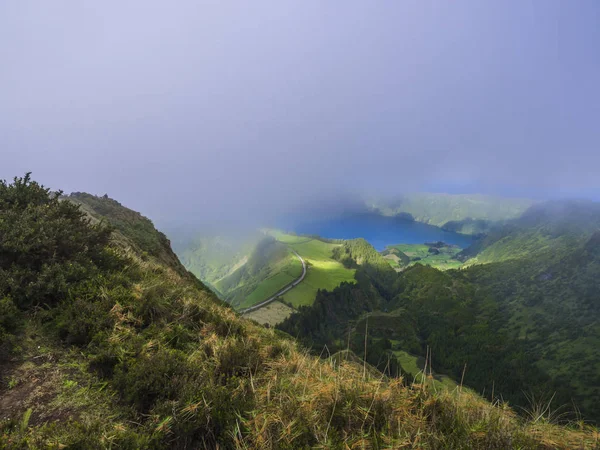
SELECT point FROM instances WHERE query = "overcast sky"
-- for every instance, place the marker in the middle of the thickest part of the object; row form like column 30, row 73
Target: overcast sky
column 189, row 107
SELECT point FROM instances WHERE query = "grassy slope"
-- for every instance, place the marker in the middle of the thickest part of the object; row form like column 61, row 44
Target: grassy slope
column 268, row 267
column 134, row 229
column 414, row 366
column 196, row 375
column 246, row 271
column 323, row 271
column 212, row 257
column 281, row 273
column 271, row 314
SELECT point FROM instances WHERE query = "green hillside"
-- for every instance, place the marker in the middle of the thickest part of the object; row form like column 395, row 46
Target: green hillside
column 105, row 346
column 546, row 269
column 246, row 271
column 213, row 256
column 269, row 262
column 135, row 229
column 323, row 271
column 522, row 316
column 463, row 213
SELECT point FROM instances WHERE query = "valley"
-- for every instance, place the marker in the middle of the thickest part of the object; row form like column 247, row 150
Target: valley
column 268, row 265
column 273, row 265
column 324, row 272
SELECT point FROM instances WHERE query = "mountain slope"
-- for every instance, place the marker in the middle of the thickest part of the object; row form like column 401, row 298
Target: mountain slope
column 120, row 350
column 138, row 231
column 522, row 316
column 545, row 270
column 269, row 267
column 213, row 255
column 265, row 265
column 463, row 213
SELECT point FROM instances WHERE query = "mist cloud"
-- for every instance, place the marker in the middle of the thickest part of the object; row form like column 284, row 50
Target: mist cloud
column 233, row 109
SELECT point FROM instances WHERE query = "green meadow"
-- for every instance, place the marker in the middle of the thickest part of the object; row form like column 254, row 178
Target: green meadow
column 323, row 272
column 283, row 273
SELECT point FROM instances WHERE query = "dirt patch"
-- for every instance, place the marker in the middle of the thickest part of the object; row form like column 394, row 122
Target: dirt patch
column 32, row 385
column 272, row 314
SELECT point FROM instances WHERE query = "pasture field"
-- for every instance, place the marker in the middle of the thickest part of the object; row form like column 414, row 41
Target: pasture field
column 323, row 272
column 281, row 274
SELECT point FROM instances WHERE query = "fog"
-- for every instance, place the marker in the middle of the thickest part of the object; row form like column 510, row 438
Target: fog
column 197, row 111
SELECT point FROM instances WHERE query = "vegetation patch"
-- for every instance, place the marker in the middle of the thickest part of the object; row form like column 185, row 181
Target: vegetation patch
column 323, row 271
column 435, row 254
column 282, row 273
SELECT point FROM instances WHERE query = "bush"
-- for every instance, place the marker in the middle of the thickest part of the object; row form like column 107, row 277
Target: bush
column 46, row 244
column 10, row 321
column 79, row 320
column 147, row 378
column 10, row 318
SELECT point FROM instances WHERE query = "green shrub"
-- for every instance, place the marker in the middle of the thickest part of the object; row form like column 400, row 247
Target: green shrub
column 147, row 378
column 79, row 320
column 46, row 244
column 10, row 318
column 10, row 321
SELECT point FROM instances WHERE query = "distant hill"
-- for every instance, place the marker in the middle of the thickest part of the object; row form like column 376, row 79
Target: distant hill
column 462, row 213
column 212, row 255
column 545, row 269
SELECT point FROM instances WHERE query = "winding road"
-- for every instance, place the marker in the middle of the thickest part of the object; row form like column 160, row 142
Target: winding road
column 282, row 291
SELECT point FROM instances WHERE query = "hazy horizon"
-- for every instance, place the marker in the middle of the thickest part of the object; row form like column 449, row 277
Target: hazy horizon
column 246, row 111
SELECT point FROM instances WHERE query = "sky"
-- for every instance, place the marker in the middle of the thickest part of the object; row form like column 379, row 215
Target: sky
column 191, row 110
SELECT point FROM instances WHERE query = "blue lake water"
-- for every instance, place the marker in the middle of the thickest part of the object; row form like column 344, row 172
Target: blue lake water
column 380, row 231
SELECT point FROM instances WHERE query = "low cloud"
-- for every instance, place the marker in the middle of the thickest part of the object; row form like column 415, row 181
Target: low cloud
column 203, row 111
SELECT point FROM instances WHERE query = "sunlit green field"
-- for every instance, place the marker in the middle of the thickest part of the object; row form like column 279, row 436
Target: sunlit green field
column 282, row 275
column 323, row 272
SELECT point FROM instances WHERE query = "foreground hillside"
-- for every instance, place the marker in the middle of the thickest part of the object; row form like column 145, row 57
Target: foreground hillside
column 105, row 345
